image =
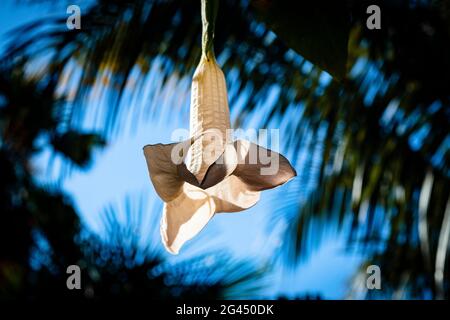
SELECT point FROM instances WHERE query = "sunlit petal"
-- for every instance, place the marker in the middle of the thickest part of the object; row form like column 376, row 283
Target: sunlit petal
column 185, row 216
column 233, row 195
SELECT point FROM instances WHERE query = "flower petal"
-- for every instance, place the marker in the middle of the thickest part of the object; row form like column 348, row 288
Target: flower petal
column 162, row 161
column 232, row 195
column 261, row 168
column 185, row 216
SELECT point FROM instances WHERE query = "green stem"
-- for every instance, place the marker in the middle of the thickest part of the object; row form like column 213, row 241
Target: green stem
column 209, row 13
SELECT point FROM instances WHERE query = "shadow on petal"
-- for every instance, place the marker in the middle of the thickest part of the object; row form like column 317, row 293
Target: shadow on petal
column 184, row 173
column 222, row 168
column 261, row 168
column 217, row 172
column 162, row 168
column 184, row 217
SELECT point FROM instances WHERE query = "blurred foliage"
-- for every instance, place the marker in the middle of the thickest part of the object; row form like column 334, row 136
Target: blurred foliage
column 377, row 141
column 312, row 28
column 41, row 233
column 385, row 150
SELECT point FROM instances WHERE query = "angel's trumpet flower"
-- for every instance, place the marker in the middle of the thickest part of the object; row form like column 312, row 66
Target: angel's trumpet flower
column 209, row 173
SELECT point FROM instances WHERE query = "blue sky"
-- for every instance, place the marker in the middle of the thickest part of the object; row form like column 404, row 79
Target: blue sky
column 120, row 170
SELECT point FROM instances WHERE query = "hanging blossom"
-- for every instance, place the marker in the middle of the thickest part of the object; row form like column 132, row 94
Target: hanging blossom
column 209, row 173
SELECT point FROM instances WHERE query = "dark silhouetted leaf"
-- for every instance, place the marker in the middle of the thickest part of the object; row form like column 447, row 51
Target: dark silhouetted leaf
column 318, row 30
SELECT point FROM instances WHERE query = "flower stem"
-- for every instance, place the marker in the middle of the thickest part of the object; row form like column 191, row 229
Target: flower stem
column 209, row 13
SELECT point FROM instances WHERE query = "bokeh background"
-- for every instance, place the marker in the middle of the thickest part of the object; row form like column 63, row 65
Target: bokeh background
column 363, row 116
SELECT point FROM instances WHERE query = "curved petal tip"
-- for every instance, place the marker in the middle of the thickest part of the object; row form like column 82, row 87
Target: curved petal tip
column 184, row 217
column 261, row 168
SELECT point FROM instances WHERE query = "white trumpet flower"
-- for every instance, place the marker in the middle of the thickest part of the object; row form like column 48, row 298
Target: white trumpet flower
column 209, row 173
